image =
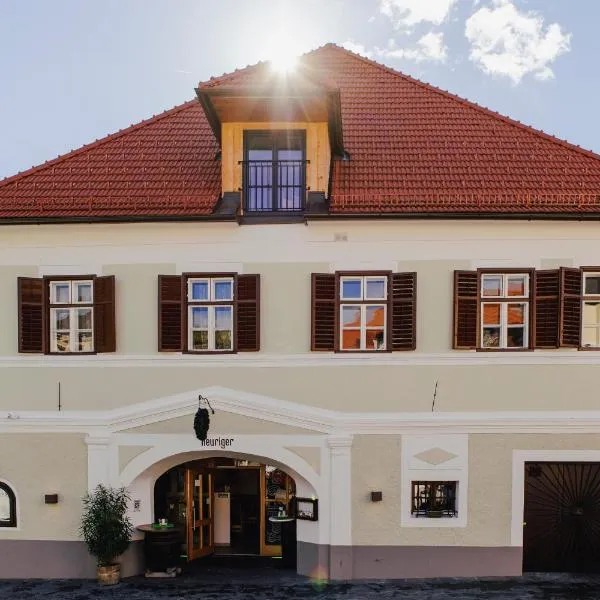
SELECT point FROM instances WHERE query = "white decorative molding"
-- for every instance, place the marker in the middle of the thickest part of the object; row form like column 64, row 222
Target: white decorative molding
column 352, row 265
column 313, row 419
column 454, row 449
column 519, row 458
column 265, row 360
column 57, row 270
column 199, row 266
column 340, row 489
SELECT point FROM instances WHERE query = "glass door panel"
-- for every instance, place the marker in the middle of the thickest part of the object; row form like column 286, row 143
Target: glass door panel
column 199, row 491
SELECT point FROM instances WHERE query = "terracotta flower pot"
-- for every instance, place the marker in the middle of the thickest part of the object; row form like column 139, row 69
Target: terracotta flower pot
column 109, row 575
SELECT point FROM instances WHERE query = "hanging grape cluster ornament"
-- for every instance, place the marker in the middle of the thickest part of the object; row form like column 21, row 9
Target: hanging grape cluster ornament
column 202, row 418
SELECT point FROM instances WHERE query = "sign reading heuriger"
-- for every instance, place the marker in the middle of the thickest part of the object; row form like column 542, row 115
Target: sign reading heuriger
column 217, row 442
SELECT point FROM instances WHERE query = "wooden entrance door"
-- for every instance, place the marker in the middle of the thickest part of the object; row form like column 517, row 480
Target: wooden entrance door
column 200, row 519
column 562, row 517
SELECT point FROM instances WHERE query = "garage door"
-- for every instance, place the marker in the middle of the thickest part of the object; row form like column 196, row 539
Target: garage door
column 562, row 517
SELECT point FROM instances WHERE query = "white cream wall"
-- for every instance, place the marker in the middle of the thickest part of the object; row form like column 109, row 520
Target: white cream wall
column 44, row 463
column 376, row 466
column 285, row 256
column 390, row 388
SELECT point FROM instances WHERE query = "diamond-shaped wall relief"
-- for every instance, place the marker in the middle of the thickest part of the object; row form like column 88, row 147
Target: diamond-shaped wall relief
column 435, row 456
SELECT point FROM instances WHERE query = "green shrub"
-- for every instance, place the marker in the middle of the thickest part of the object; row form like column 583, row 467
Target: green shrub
column 105, row 526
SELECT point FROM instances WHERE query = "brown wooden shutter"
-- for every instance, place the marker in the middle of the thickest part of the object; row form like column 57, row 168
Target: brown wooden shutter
column 323, row 329
column 105, row 337
column 570, row 307
column 465, row 309
column 169, row 313
column 403, row 311
column 546, row 292
column 248, row 313
column 32, row 314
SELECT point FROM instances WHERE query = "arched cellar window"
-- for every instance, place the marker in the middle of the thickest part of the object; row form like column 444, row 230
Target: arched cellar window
column 8, row 506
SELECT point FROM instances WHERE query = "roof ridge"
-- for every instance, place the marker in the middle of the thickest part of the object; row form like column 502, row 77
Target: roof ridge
column 99, row 142
column 469, row 103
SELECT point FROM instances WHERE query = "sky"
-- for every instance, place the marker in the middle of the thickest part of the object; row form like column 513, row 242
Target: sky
column 72, row 71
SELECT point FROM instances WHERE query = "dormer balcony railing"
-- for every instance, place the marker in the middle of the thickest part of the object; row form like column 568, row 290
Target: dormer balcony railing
column 271, row 186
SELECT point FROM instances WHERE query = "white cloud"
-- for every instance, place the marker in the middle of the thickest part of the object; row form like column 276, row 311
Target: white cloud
column 430, row 47
column 513, row 44
column 404, row 14
column 358, row 48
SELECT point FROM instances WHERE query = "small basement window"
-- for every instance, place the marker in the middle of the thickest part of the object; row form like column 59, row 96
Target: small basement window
column 8, row 506
column 434, row 499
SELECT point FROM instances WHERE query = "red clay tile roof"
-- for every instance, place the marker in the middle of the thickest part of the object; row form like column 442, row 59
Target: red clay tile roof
column 414, row 149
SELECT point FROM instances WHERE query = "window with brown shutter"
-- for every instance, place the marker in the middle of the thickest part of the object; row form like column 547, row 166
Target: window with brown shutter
column 570, row 307
column 466, row 294
column 363, row 311
column 32, row 318
column 493, row 309
column 206, row 313
column 546, row 307
column 67, row 314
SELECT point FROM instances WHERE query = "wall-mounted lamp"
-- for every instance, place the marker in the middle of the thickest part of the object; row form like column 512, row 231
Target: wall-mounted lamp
column 376, row 496
column 51, row 499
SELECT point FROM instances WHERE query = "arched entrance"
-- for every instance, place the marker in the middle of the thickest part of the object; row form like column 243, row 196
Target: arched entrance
column 228, row 507
column 199, row 469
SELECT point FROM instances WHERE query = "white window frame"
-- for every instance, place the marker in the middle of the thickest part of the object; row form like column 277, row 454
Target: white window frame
column 211, row 281
column 504, row 301
column 363, row 287
column 73, row 310
column 505, row 277
column 503, row 325
column 589, row 299
column 363, row 328
column 211, row 328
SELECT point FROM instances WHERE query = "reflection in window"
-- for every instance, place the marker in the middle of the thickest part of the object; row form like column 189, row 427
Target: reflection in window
column 504, row 322
column 8, row 506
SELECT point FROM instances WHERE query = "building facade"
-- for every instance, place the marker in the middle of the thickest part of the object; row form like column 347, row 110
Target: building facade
column 387, row 294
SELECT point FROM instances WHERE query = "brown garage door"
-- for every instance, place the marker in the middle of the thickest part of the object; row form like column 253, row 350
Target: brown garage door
column 562, row 517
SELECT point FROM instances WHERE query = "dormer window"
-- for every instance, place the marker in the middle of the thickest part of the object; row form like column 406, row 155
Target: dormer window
column 274, row 171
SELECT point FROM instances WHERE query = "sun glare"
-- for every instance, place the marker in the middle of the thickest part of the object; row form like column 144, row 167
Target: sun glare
column 284, row 61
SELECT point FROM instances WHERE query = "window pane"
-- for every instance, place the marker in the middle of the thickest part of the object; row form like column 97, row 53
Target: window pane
column 351, row 339
column 516, row 285
column 515, row 337
column 591, row 313
column 223, row 290
column 491, row 337
column 223, row 317
column 375, row 316
column 4, row 506
column 84, row 340
column 374, row 339
column 223, row 340
column 200, row 340
column 62, row 293
column 62, row 319
column 84, row 318
column 376, row 289
column 83, row 292
column 516, row 314
column 592, row 284
column 491, row 314
column 200, row 317
column 590, row 337
column 62, row 342
column 351, row 316
column 199, row 290
column 491, row 285
column 351, row 289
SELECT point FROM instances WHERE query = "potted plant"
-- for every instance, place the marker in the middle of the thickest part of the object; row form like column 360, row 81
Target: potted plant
column 106, row 529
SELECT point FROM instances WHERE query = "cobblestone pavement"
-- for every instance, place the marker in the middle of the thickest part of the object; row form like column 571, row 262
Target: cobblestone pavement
column 265, row 584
